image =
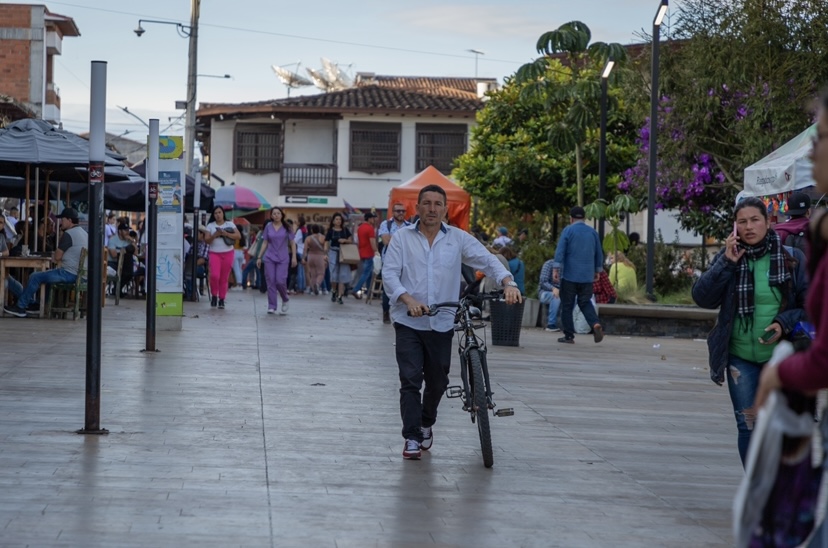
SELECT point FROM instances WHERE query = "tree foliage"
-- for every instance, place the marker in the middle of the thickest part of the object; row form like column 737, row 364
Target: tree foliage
column 576, row 92
column 737, row 81
column 522, row 156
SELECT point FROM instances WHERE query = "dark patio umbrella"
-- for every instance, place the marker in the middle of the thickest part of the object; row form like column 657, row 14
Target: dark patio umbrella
column 62, row 155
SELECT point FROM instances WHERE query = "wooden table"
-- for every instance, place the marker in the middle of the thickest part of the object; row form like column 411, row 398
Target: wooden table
column 33, row 264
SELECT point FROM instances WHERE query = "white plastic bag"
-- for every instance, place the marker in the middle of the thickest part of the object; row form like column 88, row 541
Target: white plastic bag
column 580, row 321
column 377, row 265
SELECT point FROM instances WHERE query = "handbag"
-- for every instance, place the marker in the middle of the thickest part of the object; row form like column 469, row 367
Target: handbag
column 348, row 254
column 227, row 239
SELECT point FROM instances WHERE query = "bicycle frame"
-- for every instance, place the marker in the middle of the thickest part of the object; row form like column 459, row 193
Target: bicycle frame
column 468, row 340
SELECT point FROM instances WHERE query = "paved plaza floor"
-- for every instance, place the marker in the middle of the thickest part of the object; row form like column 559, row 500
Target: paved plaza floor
column 248, row 429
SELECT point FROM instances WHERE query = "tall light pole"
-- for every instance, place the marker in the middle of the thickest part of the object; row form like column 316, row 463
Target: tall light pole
column 662, row 11
column 192, row 72
column 190, row 32
column 602, row 155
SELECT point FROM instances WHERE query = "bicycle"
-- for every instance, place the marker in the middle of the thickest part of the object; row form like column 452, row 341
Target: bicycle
column 475, row 393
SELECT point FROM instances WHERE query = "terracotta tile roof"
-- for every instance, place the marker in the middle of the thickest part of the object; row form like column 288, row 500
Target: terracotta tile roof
column 363, row 98
column 450, row 87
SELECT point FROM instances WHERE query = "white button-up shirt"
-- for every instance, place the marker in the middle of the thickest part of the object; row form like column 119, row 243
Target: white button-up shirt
column 431, row 274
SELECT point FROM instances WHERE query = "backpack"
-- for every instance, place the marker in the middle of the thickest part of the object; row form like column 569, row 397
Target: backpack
column 799, row 241
column 381, row 245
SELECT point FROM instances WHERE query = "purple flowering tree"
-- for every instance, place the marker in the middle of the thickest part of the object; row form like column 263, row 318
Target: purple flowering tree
column 738, row 81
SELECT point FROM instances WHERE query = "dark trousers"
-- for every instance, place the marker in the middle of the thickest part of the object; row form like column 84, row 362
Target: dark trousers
column 421, row 356
column 570, row 291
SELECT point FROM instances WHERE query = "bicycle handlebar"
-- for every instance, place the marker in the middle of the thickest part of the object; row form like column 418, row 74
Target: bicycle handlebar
column 490, row 296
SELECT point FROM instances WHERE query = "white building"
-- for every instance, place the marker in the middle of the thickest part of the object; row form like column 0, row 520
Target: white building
column 314, row 153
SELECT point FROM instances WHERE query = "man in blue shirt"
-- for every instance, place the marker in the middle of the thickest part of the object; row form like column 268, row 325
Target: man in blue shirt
column 581, row 258
column 386, row 231
column 550, row 293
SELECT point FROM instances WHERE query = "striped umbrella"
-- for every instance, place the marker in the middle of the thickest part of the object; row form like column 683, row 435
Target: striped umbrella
column 238, row 200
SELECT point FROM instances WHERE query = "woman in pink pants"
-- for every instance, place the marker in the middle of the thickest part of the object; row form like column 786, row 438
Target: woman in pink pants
column 221, row 254
column 278, row 253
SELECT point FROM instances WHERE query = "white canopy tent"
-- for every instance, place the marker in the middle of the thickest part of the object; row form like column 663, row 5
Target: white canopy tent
column 783, row 170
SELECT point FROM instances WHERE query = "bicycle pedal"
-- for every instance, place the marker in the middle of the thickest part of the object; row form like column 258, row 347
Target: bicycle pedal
column 504, row 412
column 454, row 391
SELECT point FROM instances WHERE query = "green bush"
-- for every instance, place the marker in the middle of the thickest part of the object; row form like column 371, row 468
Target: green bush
column 670, row 273
column 534, row 253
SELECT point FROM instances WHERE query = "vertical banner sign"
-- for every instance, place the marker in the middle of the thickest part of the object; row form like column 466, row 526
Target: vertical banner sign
column 169, row 271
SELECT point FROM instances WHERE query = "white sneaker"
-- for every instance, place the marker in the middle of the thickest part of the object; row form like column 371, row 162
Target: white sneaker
column 285, row 307
column 553, row 329
column 411, row 450
column 428, row 438
column 271, row 310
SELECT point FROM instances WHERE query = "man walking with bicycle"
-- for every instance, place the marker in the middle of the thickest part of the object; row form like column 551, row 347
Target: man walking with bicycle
column 422, row 266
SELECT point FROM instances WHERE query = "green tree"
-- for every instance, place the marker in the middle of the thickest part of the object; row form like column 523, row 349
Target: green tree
column 737, row 81
column 576, row 94
column 513, row 168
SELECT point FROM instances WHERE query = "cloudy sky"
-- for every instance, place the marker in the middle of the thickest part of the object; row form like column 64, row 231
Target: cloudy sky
column 244, row 38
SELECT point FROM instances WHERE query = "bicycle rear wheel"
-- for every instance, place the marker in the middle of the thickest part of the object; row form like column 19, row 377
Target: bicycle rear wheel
column 481, row 407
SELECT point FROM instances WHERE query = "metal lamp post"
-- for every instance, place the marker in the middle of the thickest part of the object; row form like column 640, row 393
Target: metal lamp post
column 602, row 156
column 662, row 11
column 190, row 32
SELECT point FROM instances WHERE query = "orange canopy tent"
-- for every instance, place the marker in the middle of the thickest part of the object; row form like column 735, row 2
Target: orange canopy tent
column 459, row 201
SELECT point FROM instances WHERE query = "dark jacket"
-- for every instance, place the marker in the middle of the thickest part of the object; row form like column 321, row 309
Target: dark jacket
column 717, row 288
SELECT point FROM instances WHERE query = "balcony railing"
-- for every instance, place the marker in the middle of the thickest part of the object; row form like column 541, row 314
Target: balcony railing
column 308, row 179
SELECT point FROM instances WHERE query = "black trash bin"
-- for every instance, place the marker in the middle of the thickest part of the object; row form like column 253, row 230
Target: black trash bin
column 506, row 322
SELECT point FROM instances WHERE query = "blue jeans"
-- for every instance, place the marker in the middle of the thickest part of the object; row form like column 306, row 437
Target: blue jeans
column 570, row 291
column 367, row 270
column 547, row 297
column 56, row 276
column 326, row 283
column 300, row 274
column 250, row 269
column 742, row 382
column 14, row 286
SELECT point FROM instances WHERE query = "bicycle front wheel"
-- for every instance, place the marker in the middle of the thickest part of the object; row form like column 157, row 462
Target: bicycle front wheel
column 481, row 406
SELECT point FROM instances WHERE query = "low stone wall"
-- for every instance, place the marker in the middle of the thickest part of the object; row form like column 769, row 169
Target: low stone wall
column 686, row 322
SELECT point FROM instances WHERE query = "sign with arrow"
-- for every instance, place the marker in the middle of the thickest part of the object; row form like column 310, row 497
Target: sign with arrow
column 296, row 199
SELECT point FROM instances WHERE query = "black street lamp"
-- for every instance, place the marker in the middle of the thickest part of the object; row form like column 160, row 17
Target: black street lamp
column 602, row 156
column 662, row 11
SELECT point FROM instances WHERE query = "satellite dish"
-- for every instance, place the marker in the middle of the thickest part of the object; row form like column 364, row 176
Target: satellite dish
column 339, row 80
column 320, row 80
column 291, row 79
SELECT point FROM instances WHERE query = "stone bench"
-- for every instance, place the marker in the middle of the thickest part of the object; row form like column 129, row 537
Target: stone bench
column 652, row 320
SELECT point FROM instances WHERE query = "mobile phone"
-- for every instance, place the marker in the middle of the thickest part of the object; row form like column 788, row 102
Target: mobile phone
column 735, row 233
column 768, row 335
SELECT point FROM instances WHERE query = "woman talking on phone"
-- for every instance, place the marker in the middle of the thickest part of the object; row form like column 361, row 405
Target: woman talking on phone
column 759, row 287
